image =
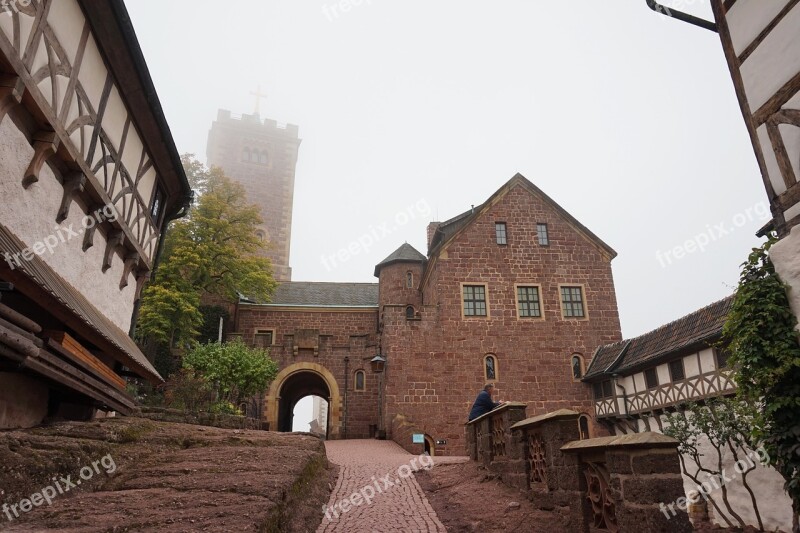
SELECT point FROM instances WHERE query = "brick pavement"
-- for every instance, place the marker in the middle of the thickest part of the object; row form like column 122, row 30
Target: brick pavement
column 398, row 503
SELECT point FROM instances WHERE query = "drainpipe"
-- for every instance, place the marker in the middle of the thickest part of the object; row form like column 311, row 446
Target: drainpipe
column 344, row 415
column 624, row 392
column 680, row 15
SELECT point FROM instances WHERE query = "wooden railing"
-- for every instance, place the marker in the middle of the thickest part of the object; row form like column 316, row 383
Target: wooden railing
column 707, row 385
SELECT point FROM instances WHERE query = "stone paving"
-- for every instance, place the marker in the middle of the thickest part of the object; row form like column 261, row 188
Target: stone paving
column 378, row 472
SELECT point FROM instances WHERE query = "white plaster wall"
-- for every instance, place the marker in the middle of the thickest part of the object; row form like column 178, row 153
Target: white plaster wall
column 748, row 18
column 785, row 255
column 30, row 215
column 663, row 374
column 67, row 21
column 774, row 62
column 708, row 362
column 691, row 366
column 773, row 503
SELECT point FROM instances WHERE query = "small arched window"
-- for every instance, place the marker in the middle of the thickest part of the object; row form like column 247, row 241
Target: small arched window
column 410, row 312
column 490, row 368
column 577, row 366
column 246, row 154
column 360, row 380
column 254, row 156
column 409, row 280
column 260, row 235
column 583, row 427
column 263, row 157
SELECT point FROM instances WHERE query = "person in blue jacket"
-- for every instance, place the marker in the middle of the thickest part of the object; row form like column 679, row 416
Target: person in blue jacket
column 484, row 403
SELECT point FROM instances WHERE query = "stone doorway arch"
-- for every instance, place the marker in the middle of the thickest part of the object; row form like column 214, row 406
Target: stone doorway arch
column 296, row 382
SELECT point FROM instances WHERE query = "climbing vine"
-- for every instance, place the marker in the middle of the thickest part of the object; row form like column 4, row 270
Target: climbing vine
column 763, row 344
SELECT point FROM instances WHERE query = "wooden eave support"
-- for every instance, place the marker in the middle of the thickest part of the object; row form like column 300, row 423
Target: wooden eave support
column 115, row 239
column 45, row 144
column 130, row 262
column 11, row 90
column 74, row 184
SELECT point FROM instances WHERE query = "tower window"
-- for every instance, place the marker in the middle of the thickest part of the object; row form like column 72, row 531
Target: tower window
column 158, row 205
column 474, row 300
column 262, row 158
column 410, row 312
column 651, row 378
column 577, row 367
column 722, row 357
column 583, row 427
column 409, row 280
column 490, row 368
column 360, row 380
column 500, row 232
column 528, row 302
column 603, row 389
column 541, row 234
column 676, row 370
column 572, row 302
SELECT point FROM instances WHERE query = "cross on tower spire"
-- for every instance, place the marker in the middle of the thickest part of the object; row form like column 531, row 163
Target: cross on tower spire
column 259, row 95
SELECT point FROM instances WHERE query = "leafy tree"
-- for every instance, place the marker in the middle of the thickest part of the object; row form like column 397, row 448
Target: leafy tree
column 237, row 370
column 213, row 251
column 197, row 174
column 765, row 353
column 209, row 331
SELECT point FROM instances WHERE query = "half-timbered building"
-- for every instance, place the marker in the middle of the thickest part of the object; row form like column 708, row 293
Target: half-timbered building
column 761, row 41
column 636, row 381
column 89, row 177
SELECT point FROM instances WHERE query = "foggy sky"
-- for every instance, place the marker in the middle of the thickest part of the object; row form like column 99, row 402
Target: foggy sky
column 412, row 111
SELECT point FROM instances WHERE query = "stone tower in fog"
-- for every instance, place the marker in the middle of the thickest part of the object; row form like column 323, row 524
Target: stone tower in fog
column 261, row 155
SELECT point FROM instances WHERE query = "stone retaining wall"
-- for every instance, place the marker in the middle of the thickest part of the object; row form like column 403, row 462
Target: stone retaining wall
column 623, row 483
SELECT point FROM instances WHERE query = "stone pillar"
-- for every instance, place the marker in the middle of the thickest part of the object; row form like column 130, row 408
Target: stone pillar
column 633, row 481
column 555, row 479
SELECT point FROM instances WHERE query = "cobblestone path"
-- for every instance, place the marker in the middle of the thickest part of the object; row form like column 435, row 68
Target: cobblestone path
column 376, row 490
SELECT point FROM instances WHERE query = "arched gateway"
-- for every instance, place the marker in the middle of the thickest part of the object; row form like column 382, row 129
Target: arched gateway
column 294, row 383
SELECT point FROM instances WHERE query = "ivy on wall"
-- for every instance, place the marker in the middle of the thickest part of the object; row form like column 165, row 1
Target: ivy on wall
column 765, row 353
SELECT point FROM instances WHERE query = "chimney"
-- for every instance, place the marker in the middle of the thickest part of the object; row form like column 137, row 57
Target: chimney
column 432, row 227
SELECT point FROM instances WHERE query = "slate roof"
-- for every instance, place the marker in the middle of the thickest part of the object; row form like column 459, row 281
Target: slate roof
column 87, row 314
column 307, row 293
column 693, row 330
column 449, row 227
column 405, row 254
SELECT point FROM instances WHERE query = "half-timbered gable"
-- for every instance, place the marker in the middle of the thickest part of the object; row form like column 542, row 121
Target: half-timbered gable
column 761, row 41
column 89, row 177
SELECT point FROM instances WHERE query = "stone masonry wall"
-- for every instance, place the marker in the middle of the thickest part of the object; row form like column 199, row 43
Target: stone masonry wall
column 436, row 363
column 342, row 334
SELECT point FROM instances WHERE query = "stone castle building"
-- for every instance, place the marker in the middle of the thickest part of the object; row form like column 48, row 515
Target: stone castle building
column 514, row 291
column 261, row 155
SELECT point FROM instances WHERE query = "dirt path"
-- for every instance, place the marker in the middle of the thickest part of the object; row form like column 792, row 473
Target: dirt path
column 467, row 499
